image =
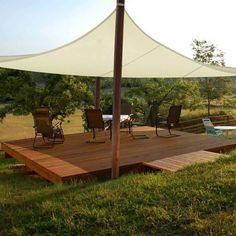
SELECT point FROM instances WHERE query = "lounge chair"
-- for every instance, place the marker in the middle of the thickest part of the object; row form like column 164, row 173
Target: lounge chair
column 95, row 121
column 210, row 129
column 44, row 128
column 171, row 120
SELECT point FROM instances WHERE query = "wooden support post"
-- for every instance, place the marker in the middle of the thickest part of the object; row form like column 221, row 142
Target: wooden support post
column 120, row 7
column 97, row 92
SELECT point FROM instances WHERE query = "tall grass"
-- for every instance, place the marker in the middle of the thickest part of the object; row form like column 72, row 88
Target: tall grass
column 200, row 113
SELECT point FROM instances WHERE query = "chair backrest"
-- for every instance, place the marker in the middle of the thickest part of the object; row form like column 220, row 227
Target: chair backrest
column 148, row 115
column 209, row 126
column 43, row 120
column 207, row 122
column 94, row 118
column 174, row 114
column 126, row 109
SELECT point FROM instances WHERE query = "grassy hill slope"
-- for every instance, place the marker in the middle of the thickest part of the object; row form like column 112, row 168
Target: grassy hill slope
column 200, row 200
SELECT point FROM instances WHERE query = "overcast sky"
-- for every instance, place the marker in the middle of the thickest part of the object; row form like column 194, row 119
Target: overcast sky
column 31, row 26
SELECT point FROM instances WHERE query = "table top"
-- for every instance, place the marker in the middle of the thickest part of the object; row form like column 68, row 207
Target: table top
column 225, row 127
column 109, row 117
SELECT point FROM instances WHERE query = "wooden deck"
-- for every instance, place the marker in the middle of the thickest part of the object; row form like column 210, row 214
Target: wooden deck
column 77, row 158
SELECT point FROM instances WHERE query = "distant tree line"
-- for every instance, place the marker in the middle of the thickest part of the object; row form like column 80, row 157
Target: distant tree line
column 191, row 93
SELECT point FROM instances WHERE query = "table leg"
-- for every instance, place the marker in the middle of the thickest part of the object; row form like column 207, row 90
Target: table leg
column 110, row 124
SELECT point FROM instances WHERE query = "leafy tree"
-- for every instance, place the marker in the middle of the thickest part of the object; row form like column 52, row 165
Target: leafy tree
column 163, row 93
column 207, row 53
column 13, row 86
column 106, row 102
column 211, row 88
column 61, row 92
column 11, row 81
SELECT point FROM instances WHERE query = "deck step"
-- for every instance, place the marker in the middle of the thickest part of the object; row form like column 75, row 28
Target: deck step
column 178, row 162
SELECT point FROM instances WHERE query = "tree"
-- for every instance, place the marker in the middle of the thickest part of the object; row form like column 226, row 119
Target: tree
column 11, row 81
column 13, row 85
column 163, row 93
column 211, row 88
column 61, row 92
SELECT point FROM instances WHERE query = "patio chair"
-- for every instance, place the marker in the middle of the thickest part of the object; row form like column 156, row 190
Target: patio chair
column 209, row 127
column 95, row 121
column 126, row 109
column 150, row 112
column 44, row 128
column 171, row 120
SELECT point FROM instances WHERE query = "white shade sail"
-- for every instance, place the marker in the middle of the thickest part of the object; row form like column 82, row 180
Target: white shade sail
column 93, row 55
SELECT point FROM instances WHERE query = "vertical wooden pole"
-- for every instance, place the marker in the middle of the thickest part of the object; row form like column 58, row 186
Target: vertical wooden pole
column 120, row 7
column 97, row 92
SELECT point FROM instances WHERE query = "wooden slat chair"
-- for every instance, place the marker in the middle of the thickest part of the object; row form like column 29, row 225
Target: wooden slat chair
column 171, row 120
column 94, row 121
column 44, row 128
column 209, row 127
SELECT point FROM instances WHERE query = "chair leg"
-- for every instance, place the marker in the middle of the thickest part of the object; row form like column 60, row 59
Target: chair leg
column 59, row 138
column 156, row 129
column 130, row 127
column 138, row 136
column 34, row 140
column 170, row 135
column 94, row 138
column 94, row 135
column 110, row 124
column 62, row 135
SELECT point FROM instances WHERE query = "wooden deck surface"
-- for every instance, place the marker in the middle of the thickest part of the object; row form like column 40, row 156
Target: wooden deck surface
column 175, row 163
column 77, row 158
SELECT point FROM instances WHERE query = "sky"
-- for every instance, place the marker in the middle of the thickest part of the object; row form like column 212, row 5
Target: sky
column 30, row 26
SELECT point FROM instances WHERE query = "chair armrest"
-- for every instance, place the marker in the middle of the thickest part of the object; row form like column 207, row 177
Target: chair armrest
column 59, row 123
column 161, row 120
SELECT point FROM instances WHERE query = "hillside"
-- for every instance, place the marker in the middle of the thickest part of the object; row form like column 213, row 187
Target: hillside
column 200, row 200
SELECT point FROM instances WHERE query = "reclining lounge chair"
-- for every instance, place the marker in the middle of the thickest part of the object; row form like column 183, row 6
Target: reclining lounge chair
column 44, row 128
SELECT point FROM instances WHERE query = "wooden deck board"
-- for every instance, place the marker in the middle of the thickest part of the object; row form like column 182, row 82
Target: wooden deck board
column 173, row 163
column 76, row 157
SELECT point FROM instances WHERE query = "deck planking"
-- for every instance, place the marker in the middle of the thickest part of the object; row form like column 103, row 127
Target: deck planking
column 77, row 158
column 178, row 162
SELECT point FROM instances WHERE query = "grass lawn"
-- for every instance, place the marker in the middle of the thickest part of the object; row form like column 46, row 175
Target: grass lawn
column 199, row 200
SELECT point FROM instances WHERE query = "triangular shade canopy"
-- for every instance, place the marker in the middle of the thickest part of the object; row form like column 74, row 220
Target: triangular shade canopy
column 93, row 55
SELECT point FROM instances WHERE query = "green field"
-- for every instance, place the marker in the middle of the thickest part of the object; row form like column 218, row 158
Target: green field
column 200, row 200
column 19, row 127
